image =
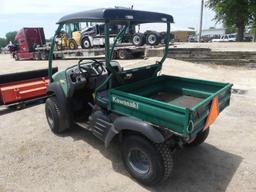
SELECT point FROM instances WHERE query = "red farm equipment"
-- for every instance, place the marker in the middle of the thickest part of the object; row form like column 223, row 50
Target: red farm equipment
column 23, row 87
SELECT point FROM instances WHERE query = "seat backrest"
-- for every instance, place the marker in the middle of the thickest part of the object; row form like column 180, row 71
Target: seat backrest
column 136, row 74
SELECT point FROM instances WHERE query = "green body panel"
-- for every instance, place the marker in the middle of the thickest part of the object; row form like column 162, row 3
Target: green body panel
column 184, row 109
column 60, row 77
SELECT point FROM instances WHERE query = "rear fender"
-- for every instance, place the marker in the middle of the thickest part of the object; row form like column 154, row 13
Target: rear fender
column 125, row 123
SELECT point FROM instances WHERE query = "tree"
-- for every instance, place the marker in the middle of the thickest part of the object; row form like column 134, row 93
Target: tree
column 238, row 13
column 10, row 36
column 252, row 19
column 2, row 42
column 230, row 29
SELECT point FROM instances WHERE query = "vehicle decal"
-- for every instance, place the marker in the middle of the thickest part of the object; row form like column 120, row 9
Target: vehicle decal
column 126, row 103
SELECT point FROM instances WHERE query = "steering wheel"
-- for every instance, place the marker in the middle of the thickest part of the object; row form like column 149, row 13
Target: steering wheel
column 95, row 69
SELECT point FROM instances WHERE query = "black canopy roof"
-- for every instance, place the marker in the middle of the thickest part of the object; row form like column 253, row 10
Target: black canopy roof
column 117, row 15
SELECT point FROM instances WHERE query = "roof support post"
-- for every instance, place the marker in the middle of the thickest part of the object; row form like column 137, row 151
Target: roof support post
column 118, row 37
column 167, row 42
column 107, row 51
column 50, row 57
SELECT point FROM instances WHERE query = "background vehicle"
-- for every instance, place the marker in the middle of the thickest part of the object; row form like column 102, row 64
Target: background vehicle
column 33, row 46
column 93, row 36
column 226, row 38
column 151, row 114
column 69, row 38
column 26, row 42
column 192, row 38
column 72, row 36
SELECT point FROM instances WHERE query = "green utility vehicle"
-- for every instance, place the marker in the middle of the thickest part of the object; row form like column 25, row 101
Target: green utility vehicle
column 151, row 114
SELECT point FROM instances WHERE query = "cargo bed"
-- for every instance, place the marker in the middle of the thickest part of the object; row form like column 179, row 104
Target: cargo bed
column 180, row 104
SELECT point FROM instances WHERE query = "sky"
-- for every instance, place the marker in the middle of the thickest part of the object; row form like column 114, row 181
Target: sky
column 15, row 14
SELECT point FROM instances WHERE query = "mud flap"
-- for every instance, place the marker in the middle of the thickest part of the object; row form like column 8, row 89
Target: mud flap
column 214, row 112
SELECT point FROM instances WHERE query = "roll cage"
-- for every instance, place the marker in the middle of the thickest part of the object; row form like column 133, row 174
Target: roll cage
column 124, row 17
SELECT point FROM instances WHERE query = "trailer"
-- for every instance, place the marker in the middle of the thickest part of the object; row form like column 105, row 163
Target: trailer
column 30, row 44
column 121, row 51
column 23, row 87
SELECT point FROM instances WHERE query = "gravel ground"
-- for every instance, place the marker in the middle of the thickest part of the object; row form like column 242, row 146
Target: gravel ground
column 34, row 159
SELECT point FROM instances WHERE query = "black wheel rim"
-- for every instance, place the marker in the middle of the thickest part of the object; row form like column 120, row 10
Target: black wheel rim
column 71, row 45
column 86, row 44
column 152, row 39
column 136, row 40
column 121, row 54
column 139, row 161
column 50, row 117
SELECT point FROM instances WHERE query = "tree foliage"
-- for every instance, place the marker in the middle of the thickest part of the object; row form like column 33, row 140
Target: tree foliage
column 238, row 13
column 230, row 29
column 2, row 42
column 252, row 19
column 10, row 36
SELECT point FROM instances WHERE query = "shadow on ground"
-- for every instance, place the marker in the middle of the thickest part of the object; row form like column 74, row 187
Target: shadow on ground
column 4, row 110
column 204, row 168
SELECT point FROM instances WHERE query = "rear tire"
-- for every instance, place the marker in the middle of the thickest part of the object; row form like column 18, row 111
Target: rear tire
column 72, row 44
column 153, row 39
column 54, row 115
column 44, row 56
column 200, row 138
column 37, row 56
column 138, row 39
column 147, row 162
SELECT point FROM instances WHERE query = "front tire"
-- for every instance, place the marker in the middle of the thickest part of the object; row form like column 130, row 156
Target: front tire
column 153, row 39
column 59, row 47
column 54, row 115
column 16, row 57
column 147, row 162
column 44, row 56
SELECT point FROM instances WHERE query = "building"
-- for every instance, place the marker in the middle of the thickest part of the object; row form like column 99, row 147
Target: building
column 213, row 32
column 182, row 34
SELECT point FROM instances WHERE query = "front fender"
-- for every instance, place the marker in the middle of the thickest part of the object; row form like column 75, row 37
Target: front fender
column 126, row 123
column 55, row 89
